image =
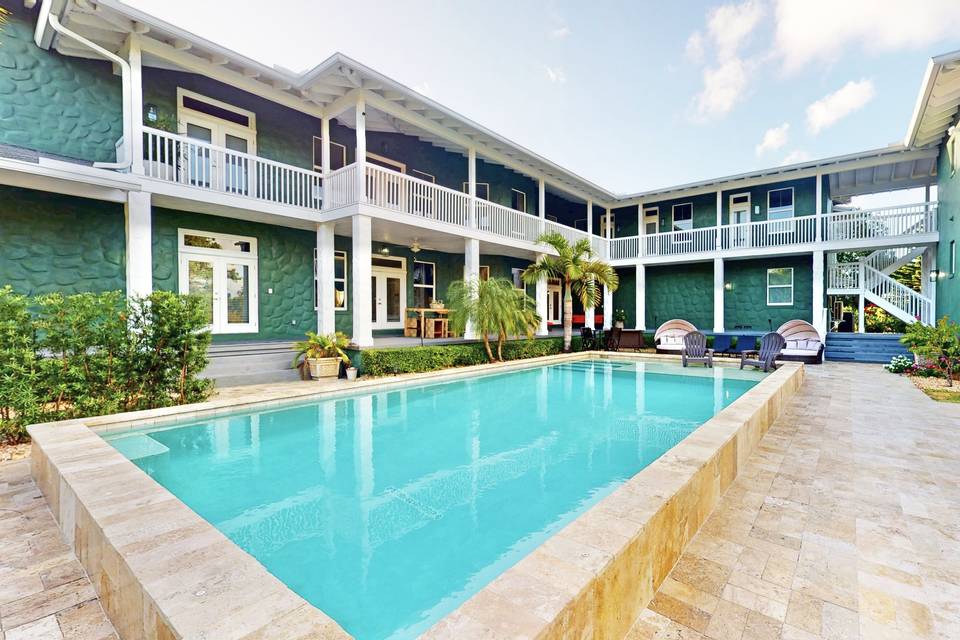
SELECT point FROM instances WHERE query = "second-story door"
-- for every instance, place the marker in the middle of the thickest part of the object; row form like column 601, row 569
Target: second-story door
column 226, row 138
column 740, row 216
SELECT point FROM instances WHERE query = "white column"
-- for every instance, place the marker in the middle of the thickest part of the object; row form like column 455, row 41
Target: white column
column 589, row 317
column 640, row 302
column 818, row 223
column 590, row 217
column 326, row 303
column 472, row 184
column 861, row 323
column 609, row 228
column 607, row 308
column 928, row 263
column 541, row 298
column 819, row 317
column 471, row 273
column 139, row 230
column 718, row 295
column 361, row 255
column 325, row 155
column 542, row 206
column 361, row 118
column 136, row 105
column 719, row 240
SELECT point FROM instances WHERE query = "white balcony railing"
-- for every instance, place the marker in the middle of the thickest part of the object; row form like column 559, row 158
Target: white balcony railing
column 671, row 243
column 769, row 233
column 189, row 162
column 844, row 276
column 881, row 223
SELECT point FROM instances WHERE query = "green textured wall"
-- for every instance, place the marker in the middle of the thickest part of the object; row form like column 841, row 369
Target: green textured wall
column 50, row 242
column 285, row 265
column 625, row 295
column 948, row 219
column 680, row 291
column 52, row 103
column 804, row 198
column 745, row 305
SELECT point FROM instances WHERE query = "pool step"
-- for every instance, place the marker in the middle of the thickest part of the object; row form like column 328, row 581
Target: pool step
column 864, row 347
column 241, row 363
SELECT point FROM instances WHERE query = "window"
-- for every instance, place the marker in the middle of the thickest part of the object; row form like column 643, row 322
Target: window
column 484, row 273
column 338, row 155
column 424, row 284
column 780, row 204
column 518, row 200
column 422, row 197
column 683, row 217
column 780, row 287
column 651, row 220
column 518, row 278
column 339, row 280
column 483, row 189
column 423, row 175
column 221, row 269
column 215, row 108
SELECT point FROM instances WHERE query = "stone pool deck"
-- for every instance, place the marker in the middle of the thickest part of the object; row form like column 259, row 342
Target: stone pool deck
column 843, row 525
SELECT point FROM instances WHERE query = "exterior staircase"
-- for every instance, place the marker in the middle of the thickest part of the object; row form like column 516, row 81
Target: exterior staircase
column 870, row 278
column 864, row 347
column 240, row 363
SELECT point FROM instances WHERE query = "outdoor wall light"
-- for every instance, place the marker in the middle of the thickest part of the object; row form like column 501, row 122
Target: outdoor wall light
column 385, row 251
column 934, row 275
column 728, row 286
column 152, row 114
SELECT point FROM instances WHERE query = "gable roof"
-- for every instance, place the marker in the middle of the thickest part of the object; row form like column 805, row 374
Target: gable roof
column 938, row 103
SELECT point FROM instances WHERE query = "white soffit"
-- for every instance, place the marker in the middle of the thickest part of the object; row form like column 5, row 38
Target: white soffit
column 938, row 103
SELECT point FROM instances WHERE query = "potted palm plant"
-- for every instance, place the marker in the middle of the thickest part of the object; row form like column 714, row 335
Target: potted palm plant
column 321, row 355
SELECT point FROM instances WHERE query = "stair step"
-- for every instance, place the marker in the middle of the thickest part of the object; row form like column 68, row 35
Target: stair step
column 863, row 347
column 239, row 363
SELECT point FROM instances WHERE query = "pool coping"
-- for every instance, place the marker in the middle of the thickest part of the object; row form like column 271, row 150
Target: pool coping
column 162, row 571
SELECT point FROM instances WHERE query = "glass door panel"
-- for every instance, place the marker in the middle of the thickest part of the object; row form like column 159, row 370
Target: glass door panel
column 236, row 168
column 238, row 294
column 374, row 296
column 199, row 159
column 200, row 282
column 392, row 299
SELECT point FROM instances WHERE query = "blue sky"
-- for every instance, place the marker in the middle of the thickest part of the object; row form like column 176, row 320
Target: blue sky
column 631, row 95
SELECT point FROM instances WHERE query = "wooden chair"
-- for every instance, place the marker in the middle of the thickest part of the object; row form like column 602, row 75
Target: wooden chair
column 765, row 358
column 695, row 349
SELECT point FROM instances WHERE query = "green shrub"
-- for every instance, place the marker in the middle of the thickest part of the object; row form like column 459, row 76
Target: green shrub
column 397, row 360
column 92, row 354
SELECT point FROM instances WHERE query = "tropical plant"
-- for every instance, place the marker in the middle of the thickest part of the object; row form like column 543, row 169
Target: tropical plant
column 619, row 315
column 316, row 346
column 939, row 344
column 492, row 307
column 582, row 275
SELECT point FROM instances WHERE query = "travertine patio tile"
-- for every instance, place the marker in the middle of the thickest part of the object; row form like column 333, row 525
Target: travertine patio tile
column 42, row 629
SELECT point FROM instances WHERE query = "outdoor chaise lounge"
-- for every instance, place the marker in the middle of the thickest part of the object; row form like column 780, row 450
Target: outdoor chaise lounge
column 803, row 343
column 765, row 358
column 695, row 349
column 669, row 335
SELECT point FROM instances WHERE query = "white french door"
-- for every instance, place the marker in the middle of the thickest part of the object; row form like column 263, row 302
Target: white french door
column 740, row 215
column 388, row 290
column 554, row 303
column 230, row 171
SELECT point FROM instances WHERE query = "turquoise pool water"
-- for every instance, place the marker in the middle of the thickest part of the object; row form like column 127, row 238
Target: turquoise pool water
column 388, row 510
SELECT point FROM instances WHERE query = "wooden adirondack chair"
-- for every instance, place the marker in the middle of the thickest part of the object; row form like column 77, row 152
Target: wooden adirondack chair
column 770, row 347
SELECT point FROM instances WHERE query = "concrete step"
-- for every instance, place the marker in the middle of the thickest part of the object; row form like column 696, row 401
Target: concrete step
column 241, row 363
column 864, row 347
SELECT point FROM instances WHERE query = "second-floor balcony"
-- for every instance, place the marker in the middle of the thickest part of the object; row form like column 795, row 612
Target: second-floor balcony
column 193, row 163
column 840, row 228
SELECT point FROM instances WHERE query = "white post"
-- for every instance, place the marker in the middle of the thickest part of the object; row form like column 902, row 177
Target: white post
column 361, row 255
column 928, row 263
column 607, row 308
column 818, row 223
column 541, row 297
column 589, row 316
column 861, row 325
column 361, row 117
column 640, row 302
column 609, row 229
column 325, row 157
column 719, row 239
column 136, row 105
column 718, row 295
column 542, row 206
column 471, row 273
column 139, row 230
column 472, row 184
column 326, row 302
column 819, row 315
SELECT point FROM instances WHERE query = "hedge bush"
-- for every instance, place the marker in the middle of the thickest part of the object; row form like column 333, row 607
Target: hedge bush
column 396, row 360
column 65, row 357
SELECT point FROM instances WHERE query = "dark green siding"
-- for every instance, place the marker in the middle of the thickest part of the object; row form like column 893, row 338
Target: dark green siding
column 948, row 194
column 54, row 104
column 50, row 242
column 285, row 265
column 680, row 291
column 745, row 302
column 625, row 295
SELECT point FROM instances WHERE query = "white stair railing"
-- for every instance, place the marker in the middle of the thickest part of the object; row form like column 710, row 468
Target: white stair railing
column 844, row 276
column 898, row 299
column 881, row 223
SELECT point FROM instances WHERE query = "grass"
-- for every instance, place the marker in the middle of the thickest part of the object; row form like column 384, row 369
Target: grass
column 943, row 395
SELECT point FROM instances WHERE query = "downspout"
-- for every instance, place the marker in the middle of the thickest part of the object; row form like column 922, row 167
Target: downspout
column 125, row 159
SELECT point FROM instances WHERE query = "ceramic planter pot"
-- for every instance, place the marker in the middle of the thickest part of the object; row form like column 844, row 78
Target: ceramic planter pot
column 323, row 367
column 618, row 324
column 351, row 373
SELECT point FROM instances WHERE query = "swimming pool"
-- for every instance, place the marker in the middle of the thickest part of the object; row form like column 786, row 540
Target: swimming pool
column 388, row 510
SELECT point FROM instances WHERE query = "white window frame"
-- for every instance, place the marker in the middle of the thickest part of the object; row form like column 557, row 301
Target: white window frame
column 423, row 175
column 780, row 286
column 781, row 210
column 651, row 215
column 396, row 165
column 318, row 162
column 523, row 195
column 337, row 255
column 422, row 198
column 466, row 189
column 225, row 239
column 516, row 273
column 248, row 133
column 432, row 287
column 682, row 235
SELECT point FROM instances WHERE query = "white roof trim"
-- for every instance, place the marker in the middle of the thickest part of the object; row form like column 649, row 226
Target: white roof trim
column 924, row 113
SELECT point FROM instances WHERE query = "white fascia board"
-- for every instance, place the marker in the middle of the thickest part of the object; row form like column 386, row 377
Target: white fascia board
column 926, row 89
column 68, row 178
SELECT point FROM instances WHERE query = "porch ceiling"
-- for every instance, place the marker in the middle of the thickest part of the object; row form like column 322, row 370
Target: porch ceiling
column 902, row 174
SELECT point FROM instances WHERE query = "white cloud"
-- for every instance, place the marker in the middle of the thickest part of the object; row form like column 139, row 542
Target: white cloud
column 560, row 32
column 812, row 31
column 795, row 156
column 730, row 25
column 832, row 108
column 723, row 88
column 555, row 75
column 773, row 139
column 695, row 48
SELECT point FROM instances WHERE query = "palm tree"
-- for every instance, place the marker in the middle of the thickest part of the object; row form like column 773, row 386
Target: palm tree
column 493, row 307
column 581, row 273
